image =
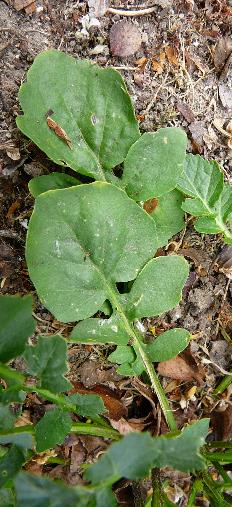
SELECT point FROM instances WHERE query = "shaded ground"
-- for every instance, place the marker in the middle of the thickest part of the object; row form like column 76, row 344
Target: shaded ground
column 174, row 79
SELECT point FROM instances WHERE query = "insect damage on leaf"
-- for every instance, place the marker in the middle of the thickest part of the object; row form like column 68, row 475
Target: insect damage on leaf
column 53, row 125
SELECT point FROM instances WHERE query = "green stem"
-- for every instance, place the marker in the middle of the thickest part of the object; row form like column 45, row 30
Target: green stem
column 138, row 343
column 224, row 384
column 196, row 488
column 211, row 491
column 222, row 457
column 80, row 428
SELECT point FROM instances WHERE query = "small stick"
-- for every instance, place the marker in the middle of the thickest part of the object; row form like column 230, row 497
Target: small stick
column 141, row 12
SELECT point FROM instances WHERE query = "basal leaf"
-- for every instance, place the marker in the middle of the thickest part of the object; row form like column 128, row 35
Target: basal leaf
column 211, row 199
column 154, row 163
column 201, row 179
column 91, row 118
column 109, row 330
column 52, row 429
column 168, row 344
column 47, row 360
column 80, row 241
column 183, row 452
column 168, row 216
column 36, row 491
column 10, row 464
column 132, row 458
column 52, row 181
column 88, row 405
column 17, row 325
column 158, row 287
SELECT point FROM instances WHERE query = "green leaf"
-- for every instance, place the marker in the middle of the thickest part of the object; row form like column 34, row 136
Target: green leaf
column 154, row 163
column 88, row 405
column 7, row 498
column 122, row 354
column 22, row 439
column 7, row 418
column 17, row 325
column 201, row 179
column 52, row 429
column 211, row 199
column 132, row 458
column 168, row 344
column 52, row 181
column 110, row 330
column 10, row 464
column 163, row 277
column 36, row 491
column 88, row 102
column 183, row 452
column 168, row 216
column 80, row 241
column 47, row 360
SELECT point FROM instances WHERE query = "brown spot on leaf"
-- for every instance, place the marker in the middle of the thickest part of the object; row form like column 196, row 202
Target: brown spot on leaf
column 150, row 205
column 58, row 131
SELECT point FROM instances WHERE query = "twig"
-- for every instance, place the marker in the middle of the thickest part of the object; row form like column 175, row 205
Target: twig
column 141, row 12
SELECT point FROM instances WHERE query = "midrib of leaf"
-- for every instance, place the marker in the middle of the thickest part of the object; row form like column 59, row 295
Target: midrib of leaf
column 137, row 342
column 218, row 218
column 101, row 172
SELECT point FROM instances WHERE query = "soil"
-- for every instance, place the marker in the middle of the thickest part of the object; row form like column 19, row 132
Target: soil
column 181, row 87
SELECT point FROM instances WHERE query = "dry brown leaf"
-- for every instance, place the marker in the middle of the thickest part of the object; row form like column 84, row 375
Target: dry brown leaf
column 115, row 407
column 20, row 4
column 53, row 125
column 222, row 51
column 182, row 367
column 186, row 112
column 125, row 39
column 13, row 153
column 141, row 62
column 13, row 207
column 172, row 55
column 132, row 425
column 158, row 64
column 222, row 423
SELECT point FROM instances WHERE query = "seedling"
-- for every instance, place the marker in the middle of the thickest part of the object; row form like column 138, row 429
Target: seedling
column 90, row 253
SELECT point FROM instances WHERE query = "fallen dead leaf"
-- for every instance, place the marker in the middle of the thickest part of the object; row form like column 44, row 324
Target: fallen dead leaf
column 53, row 125
column 186, row 112
column 182, row 367
column 141, row 62
column 132, row 425
column 222, row 423
column 21, row 4
column 13, row 207
column 222, row 51
column 158, row 63
column 125, row 39
column 13, row 153
column 115, row 407
column 172, row 55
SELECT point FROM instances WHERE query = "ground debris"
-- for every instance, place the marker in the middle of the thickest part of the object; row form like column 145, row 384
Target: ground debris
column 182, row 367
column 125, row 39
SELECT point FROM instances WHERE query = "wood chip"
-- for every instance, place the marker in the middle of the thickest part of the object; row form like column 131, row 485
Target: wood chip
column 125, row 39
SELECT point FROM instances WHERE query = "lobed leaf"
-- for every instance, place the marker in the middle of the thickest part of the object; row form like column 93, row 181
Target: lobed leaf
column 163, row 277
column 47, row 360
column 154, row 163
column 17, row 324
column 91, row 106
column 52, row 181
column 80, row 241
column 211, row 199
column 52, row 429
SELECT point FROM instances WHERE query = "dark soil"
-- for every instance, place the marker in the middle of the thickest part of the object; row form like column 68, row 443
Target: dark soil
column 184, row 92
